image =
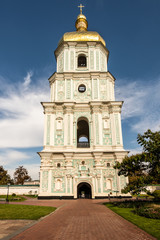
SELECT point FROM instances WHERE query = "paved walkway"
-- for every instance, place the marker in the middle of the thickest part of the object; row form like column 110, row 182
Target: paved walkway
column 9, row 227
column 81, row 220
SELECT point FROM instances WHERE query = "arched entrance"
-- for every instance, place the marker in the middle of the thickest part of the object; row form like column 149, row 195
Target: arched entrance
column 84, row 190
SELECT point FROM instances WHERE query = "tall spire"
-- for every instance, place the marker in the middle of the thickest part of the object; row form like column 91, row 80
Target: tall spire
column 81, row 22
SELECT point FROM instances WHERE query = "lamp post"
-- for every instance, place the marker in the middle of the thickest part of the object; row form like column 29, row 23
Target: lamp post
column 7, row 200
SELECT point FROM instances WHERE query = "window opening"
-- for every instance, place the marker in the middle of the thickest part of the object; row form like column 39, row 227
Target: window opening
column 82, row 62
column 58, row 165
column 82, row 134
column 82, row 88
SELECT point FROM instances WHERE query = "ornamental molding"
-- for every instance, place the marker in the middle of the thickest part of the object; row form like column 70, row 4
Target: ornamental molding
column 77, row 75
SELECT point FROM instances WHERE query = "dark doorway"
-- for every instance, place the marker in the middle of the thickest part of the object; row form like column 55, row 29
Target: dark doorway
column 82, row 134
column 84, row 190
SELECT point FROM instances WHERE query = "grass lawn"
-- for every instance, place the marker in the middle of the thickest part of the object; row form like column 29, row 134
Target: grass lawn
column 151, row 226
column 9, row 211
column 13, row 198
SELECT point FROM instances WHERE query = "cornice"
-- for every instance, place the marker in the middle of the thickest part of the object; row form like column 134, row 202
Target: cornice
column 96, row 44
column 70, row 107
column 77, row 75
column 115, row 107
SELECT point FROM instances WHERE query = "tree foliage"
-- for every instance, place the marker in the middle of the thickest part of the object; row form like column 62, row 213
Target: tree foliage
column 142, row 169
column 21, row 175
column 4, row 177
column 132, row 166
column 150, row 141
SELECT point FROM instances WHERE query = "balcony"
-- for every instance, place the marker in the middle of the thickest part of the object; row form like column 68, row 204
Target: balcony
column 83, row 145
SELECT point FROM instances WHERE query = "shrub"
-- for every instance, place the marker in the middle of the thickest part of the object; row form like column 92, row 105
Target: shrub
column 130, row 204
column 13, row 194
column 148, row 212
column 156, row 194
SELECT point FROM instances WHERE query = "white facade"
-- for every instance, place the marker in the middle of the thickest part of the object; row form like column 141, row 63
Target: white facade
column 82, row 133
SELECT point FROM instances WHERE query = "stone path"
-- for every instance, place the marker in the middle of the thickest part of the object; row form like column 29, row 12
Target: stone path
column 8, row 227
column 81, row 220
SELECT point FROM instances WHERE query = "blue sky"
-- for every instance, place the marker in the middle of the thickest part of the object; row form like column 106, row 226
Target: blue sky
column 29, row 34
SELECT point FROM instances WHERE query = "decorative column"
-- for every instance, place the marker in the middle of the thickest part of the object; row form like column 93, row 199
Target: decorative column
column 68, row 183
column 49, row 180
column 74, row 133
column 98, row 158
column 68, row 160
column 99, row 184
column 68, row 112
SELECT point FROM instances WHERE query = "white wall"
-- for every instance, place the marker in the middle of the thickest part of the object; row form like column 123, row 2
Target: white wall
column 19, row 190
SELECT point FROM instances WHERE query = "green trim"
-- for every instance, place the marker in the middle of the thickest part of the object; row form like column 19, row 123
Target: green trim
column 68, row 185
column 91, row 60
column 66, row 60
column 44, row 181
column 99, row 186
column 95, row 87
column 72, row 60
column 117, row 129
column 68, row 88
column 48, row 129
column 97, row 60
column 68, row 129
column 97, row 129
column 61, row 62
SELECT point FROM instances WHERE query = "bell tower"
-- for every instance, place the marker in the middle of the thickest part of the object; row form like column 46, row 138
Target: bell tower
column 82, row 132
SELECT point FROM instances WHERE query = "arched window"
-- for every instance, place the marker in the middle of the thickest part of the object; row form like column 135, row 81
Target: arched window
column 108, row 165
column 58, row 184
column 82, row 61
column 58, row 165
column 109, row 184
column 82, row 134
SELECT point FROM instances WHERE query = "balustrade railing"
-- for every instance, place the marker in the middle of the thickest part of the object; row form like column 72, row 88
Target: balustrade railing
column 83, row 145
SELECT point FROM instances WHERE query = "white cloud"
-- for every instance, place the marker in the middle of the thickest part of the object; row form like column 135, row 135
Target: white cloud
column 135, row 151
column 12, row 157
column 21, row 124
column 141, row 102
column 27, row 80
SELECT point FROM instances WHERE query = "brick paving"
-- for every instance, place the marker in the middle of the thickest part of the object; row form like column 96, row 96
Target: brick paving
column 8, row 227
column 81, row 220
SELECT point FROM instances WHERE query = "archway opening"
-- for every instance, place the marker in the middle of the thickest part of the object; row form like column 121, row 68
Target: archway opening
column 82, row 134
column 82, row 62
column 84, row 190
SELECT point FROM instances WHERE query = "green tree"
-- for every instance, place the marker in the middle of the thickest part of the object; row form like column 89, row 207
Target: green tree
column 4, row 177
column 150, row 141
column 21, row 175
column 142, row 169
column 134, row 168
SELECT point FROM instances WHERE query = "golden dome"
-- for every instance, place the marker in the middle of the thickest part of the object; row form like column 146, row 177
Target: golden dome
column 81, row 16
column 82, row 35
column 81, row 23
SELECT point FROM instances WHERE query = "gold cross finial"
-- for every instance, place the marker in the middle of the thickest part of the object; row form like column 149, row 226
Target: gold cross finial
column 80, row 6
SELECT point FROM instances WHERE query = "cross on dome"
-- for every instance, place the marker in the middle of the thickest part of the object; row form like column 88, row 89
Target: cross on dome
column 81, row 6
